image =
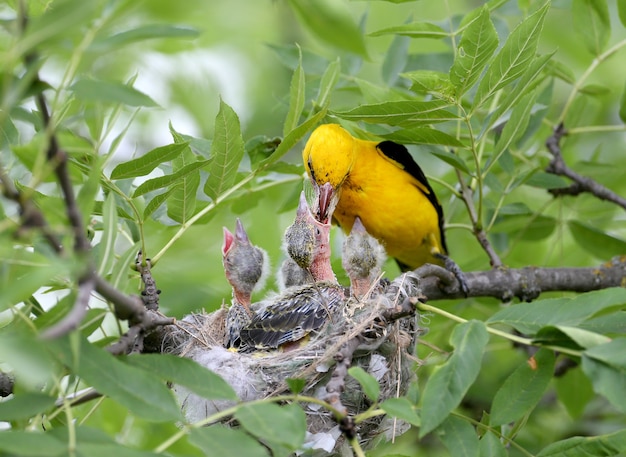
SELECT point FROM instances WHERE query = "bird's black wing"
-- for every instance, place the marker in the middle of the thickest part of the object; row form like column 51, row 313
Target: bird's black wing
column 400, row 154
column 292, row 316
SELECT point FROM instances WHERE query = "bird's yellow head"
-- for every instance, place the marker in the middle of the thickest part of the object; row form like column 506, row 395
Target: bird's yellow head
column 329, row 155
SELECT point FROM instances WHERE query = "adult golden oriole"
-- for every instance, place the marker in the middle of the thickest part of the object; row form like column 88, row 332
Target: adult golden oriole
column 381, row 184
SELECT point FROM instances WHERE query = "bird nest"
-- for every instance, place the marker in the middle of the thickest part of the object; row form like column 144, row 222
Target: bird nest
column 377, row 334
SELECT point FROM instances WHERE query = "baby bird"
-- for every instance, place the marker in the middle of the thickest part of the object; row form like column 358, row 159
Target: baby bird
column 362, row 258
column 291, row 316
column 299, row 243
column 307, row 242
column 244, row 266
column 300, row 310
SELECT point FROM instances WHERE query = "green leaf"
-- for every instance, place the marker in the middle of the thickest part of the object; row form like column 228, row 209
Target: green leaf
column 185, row 372
column 96, row 443
column 136, row 389
column 612, row 353
column 396, row 59
column 397, row 113
column 621, row 10
column 515, row 126
column 143, row 165
column 614, row 323
column 448, row 385
column 28, row 358
column 110, row 92
column 431, row 82
column 596, row 242
column 25, row 281
column 218, row 440
column 622, row 104
column 367, row 381
column 331, row 22
column 515, row 56
column 86, row 196
column 414, row 30
column 575, row 391
column 92, row 320
column 452, row 159
column 561, row 71
column 528, row 318
column 611, row 444
column 228, row 149
column 401, row 408
column 459, row 437
column 296, row 385
column 583, row 338
column 594, row 89
column 120, row 274
column 106, row 247
column 593, row 23
column 477, row 45
column 423, row 135
column 532, row 228
column 327, row 83
column 25, row 405
column 543, row 180
column 491, row 446
column 8, row 133
column 31, row 444
column 181, row 204
column 282, row 426
column 607, row 380
column 171, row 179
column 296, row 97
column 54, row 24
column 145, row 32
column 523, row 389
column 157, row 201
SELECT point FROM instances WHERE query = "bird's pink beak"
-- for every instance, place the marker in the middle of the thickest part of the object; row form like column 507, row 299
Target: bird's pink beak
column 303, row 207
column 357, row 226
column 240, row 233
column 229, row 238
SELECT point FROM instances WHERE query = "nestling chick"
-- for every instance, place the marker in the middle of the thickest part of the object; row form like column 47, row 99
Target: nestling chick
column 300, row 310
column 307, row 241
column 299, row 243
column 245, row 267
column 362, row 258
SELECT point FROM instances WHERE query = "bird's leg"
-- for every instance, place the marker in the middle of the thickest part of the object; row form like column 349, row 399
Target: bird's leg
column 454, row 268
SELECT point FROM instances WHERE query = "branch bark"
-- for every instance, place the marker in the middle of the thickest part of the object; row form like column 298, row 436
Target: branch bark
column 557, row 166
column 525, row 283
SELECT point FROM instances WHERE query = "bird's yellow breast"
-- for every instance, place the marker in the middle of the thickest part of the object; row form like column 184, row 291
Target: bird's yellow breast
column 391, row 205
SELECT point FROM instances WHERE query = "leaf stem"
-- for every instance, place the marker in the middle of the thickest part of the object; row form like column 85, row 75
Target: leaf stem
column 596, row 62
column 493, row 331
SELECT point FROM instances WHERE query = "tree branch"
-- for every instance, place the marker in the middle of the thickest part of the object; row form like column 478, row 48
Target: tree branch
column 581, row 183
column 525, row 283
column 479, row 232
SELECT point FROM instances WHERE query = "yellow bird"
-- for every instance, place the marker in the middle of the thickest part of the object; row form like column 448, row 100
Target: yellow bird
column 381, row 184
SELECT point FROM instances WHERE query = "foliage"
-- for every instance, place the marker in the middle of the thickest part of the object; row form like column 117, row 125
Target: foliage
column 478, row 91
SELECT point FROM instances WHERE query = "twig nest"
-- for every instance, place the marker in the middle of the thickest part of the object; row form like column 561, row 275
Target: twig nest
column 385, row 351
